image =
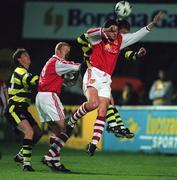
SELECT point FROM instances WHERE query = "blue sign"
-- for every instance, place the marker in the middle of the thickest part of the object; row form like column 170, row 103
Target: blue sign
column 155, row 131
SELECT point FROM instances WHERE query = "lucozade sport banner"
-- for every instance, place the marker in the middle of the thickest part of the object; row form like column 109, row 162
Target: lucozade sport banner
column 154, row 127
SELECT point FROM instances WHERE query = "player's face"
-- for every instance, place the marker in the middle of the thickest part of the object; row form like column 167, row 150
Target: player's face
column 65, row 52
column 113, row 34
column 25, row 58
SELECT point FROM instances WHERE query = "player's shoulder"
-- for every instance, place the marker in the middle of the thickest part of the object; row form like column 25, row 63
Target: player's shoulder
column 93, row 30
column 64, row 61
column 20, row 70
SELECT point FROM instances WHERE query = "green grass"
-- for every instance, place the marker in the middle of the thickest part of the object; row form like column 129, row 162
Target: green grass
column 102, row 166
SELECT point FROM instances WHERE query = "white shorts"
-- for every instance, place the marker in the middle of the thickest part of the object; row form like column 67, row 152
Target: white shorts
column 49, row 107
column 99, row 80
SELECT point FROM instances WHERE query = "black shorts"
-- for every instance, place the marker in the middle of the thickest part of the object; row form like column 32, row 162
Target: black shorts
column 17, row 113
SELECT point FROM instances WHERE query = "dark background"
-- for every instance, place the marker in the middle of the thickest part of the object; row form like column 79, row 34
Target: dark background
column 159, row 55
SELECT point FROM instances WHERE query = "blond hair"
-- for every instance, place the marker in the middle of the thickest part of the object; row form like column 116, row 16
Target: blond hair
column 60, row 45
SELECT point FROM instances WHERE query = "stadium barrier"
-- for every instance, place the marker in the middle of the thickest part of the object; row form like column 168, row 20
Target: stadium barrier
column 155, row 130
column 154, row 127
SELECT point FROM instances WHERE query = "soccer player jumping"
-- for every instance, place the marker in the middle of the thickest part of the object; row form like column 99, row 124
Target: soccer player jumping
column 114, row 120
column 106, row 45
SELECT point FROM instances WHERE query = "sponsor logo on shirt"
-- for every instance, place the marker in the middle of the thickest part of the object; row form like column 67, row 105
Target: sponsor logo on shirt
column 111, row 48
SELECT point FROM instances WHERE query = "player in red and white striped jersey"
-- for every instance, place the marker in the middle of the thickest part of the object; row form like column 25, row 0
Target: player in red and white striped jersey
column 48, row 103
column 106, row 45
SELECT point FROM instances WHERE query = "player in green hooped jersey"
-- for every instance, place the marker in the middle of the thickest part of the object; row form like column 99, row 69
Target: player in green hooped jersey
column 20, row 93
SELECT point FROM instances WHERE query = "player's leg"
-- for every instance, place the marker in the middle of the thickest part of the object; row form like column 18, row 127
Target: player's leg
column 54, row 150
column 91, row 93
column 26, row 128
column 99, row 125
column 102, row 84
column 36, row 137
column 15, row 115
column 80, row 112
column 91, row 104
column 58, row 140
column 121, row 130
column 18, row 158
column 37, row 133
column 51, row 111
column 114, row 121
column 110, row 118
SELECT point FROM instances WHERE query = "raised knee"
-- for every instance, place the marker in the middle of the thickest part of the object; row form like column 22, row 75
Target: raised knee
column 93, row 105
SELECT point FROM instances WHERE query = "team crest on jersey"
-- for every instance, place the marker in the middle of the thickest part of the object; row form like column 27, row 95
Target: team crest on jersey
column 91, row 81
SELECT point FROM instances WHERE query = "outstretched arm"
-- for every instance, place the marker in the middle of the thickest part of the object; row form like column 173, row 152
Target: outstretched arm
column 131, row 38
column 156, row 19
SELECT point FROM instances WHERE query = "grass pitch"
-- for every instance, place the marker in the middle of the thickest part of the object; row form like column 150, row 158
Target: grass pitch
column 102, row 166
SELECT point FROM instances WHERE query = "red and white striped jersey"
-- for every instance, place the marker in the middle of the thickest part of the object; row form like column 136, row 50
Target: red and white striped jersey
column 105, row 52
column 51, row 79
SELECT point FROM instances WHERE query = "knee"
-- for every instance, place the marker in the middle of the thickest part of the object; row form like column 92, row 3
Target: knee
column 29, row 133
column 93, row 104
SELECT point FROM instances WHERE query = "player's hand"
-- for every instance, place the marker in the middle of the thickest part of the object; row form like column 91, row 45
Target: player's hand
column 141, row 52
column 158, row 17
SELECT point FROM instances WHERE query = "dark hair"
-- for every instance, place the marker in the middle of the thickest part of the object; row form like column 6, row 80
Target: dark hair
column 109, row 23
column 17, row 54
column 124, row 24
